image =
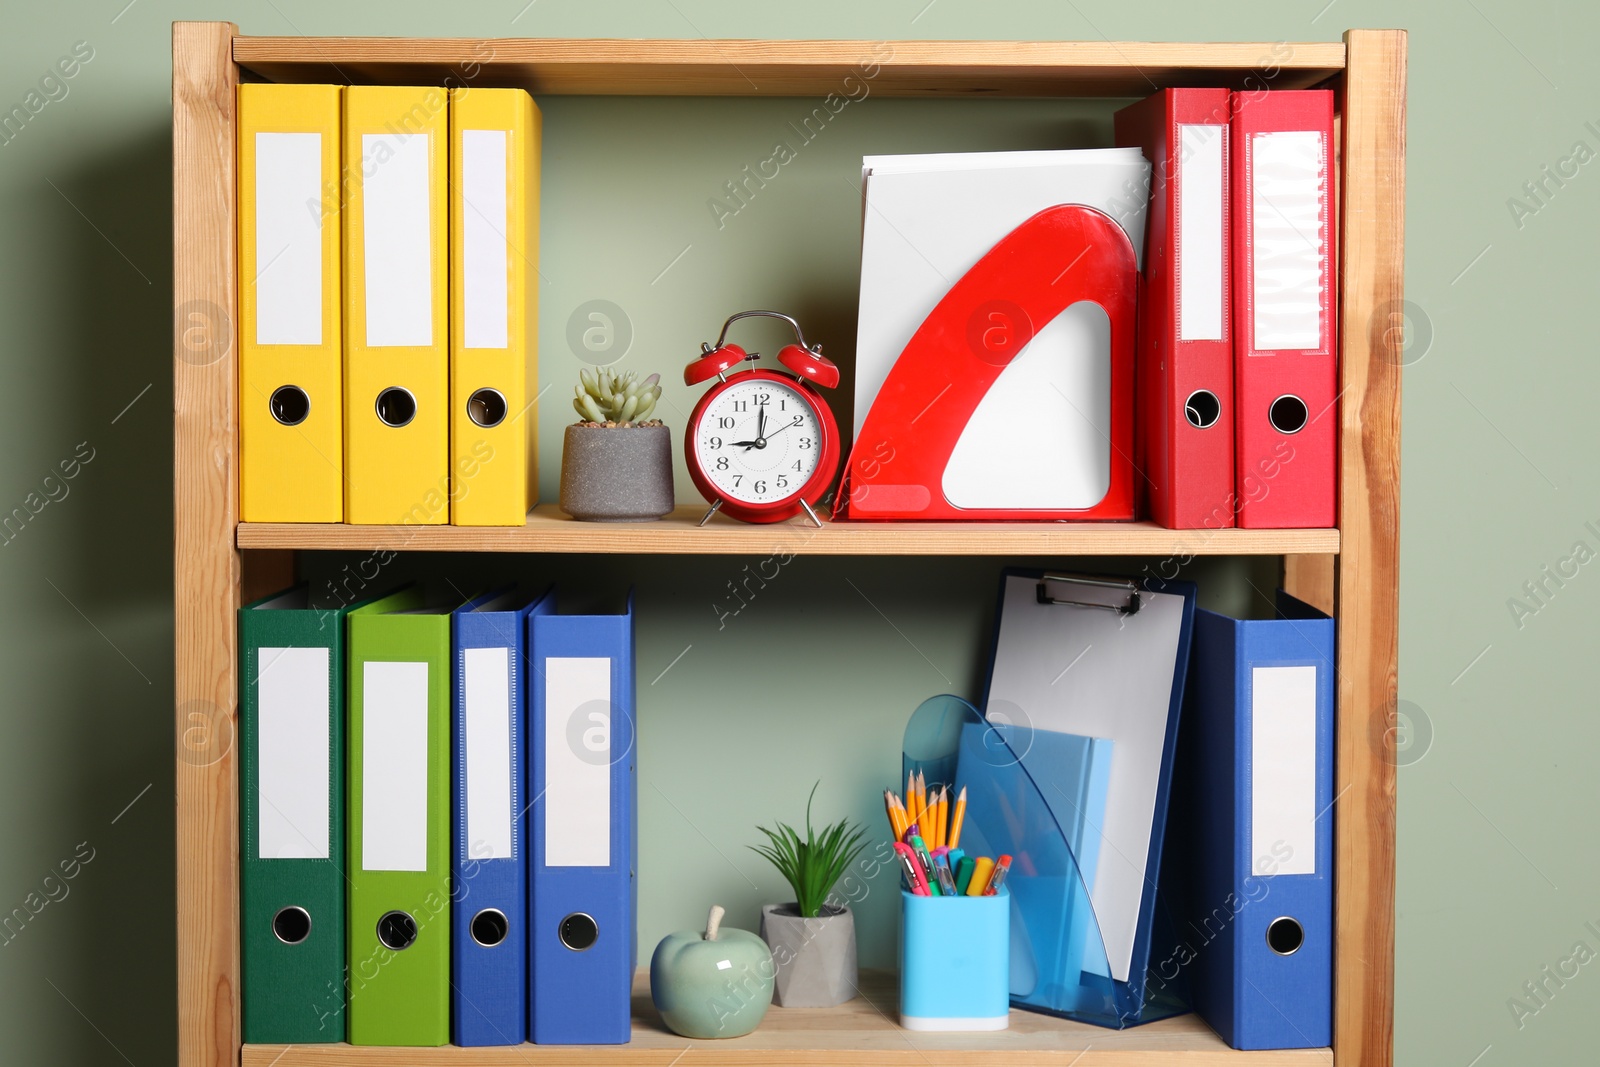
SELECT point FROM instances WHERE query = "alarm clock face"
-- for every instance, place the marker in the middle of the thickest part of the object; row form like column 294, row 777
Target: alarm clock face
column 759, row 441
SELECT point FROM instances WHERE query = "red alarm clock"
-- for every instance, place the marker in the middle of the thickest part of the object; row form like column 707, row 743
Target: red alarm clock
column 762, row 445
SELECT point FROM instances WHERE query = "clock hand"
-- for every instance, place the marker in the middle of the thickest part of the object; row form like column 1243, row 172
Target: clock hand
column 761, row 422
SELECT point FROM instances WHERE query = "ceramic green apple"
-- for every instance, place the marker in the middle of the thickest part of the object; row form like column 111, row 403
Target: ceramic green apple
column 715, row 984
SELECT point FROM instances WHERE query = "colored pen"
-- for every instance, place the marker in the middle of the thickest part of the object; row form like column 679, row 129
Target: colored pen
column 956, row 818
column 964, row 868
column 920, row 850
column 913, row 873
column 947, row 881
column 979, row 881
column 997, row 877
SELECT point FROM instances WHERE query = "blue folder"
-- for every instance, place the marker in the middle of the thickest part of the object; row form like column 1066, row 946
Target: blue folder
column 583, row 900
column 489, row 965
column 1256, row 782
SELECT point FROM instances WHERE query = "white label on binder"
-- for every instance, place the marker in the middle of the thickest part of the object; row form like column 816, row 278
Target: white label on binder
column 486, row 674
column 394, row 766
column 292, row 753
column 1199, row 246
column 577, row 762
column 1287, row 234
column 1283, row 770
column 483, row 238
column 288, row 266
column 397, row 234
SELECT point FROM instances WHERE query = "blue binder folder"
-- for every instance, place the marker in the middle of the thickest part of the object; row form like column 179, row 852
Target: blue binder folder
column 1256, row 817
column 583, row 900
column 489, row 967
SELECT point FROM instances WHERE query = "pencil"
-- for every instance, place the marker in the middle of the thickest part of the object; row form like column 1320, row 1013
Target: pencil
column 940, row 811
column 921, row 806
column 903, row 817
column 959, row 814
column 888, row 808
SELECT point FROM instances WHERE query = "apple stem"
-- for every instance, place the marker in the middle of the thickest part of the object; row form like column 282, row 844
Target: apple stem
column 713, row 921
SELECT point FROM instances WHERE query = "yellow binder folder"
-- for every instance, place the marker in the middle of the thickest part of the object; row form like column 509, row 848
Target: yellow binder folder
column 494, row 253
column 290, row 405
column 396, row 432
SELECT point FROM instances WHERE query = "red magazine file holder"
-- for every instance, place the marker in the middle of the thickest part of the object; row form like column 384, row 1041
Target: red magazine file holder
column 1055, row 259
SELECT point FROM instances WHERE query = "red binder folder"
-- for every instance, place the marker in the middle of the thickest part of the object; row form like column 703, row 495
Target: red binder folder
column 1183, row 378
column 1286, row 366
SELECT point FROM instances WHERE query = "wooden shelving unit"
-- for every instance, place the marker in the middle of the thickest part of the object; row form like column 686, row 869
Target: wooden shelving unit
column 548, row 529
column 862, row 1030
column 220, row 562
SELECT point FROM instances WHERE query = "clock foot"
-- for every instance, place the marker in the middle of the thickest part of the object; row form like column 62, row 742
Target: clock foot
column 813, row 514
column 712, row 510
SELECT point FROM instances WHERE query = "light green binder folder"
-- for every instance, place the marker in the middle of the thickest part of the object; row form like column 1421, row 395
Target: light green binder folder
column 399, row 823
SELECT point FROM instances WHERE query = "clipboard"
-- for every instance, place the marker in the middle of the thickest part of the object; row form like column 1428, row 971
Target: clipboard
column 1079, row 662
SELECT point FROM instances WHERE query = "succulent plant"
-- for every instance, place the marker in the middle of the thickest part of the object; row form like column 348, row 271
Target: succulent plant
column 615, row 399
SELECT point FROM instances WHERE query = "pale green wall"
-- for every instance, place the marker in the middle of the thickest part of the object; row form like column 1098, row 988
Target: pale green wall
column 1497, row 870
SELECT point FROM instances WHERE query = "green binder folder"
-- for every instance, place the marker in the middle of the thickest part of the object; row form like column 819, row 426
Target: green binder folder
column 399, row 826
column 291, row 811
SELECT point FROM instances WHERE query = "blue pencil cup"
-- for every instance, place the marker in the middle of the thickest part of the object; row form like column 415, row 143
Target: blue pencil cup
column 955, row 962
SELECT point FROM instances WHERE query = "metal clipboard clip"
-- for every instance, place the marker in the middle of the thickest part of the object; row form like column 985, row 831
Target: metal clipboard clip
column 1120, row 595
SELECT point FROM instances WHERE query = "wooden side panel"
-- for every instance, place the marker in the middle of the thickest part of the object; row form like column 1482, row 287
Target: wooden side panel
column 1373, row 107
column 206, row 571
column 1310, row 578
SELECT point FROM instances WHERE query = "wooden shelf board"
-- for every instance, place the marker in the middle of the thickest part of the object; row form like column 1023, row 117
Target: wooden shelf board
column 792, row 68
column 864, row 1028
column 550, row 530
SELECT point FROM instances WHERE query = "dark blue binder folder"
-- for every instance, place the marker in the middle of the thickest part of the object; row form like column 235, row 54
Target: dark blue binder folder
column 489, row 964
column 1256, row 826
column 584, row 831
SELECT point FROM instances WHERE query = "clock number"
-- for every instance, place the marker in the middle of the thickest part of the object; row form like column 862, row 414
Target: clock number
column 783, row 482
column 805, row 442
column 737, row 478
column 783, row 404
column 716, row 442
column 722, row 463
column 763, row 398
column 796, row 464
column 724, row 423
column 798, row 419
column 741, row 405
column 761, row 487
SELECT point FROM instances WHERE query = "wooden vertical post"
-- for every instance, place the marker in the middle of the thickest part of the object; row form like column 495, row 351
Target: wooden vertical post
column 205, row 513
column 1373, row 110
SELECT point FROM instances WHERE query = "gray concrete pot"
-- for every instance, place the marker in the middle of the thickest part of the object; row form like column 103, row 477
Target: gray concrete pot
column 616, row 473
column 815, row 958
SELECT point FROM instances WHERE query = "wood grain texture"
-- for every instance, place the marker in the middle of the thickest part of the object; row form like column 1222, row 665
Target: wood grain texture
column 792, row 68
column 1373, row 106
column 1311, row 579
column 206, row 567
column 864, row 1030
column 549, row 530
